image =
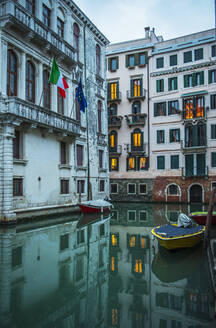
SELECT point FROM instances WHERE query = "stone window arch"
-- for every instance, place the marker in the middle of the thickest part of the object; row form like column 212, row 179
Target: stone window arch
column 76, row 35
column 30, row 81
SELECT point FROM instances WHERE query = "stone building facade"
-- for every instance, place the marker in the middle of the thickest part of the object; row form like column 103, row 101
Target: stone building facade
column 162, row 118
column 51, row 152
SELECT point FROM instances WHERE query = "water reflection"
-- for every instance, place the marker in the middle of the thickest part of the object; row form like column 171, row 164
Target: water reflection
column 101, row 272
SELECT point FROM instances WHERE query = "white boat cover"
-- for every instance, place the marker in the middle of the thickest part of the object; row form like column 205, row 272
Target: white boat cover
column 97, row 203
column 184, row 221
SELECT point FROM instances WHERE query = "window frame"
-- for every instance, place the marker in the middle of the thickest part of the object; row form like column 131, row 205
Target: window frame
column 161, row 166
column 128, row 186
column 159, row 62
column 146, row 189
column 79, row 152
column 46, row 90
column 12, row 72
column 60, row 27
column 30, row 81
column 64, row 186
column 18, row 189
column 46, row 15
column 112, row 183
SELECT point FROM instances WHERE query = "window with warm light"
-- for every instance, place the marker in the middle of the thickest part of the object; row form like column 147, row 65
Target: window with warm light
column 132, row 241
column 138, row 266
column 114, row 317
column 113, row 164
column 113, row 90
column 131, row 163
column 188, row 108
column 143, row 163
column 114, row 240
column 137, row 138
column 136, row 85
column 112, row 264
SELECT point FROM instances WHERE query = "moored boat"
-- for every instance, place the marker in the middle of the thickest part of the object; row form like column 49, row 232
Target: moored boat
column 201, row 217
column 171, row 236
column 95, row 206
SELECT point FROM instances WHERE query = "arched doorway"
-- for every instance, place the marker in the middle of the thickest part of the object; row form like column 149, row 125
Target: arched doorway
column 196, row 194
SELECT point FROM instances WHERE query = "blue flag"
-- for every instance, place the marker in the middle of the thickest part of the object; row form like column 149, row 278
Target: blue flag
column 81, row 98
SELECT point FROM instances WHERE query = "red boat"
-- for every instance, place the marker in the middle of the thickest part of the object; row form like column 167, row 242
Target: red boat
column 95, row 206
column 201, row 217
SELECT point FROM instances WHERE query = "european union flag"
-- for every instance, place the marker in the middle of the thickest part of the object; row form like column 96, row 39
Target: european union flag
column 81, row 98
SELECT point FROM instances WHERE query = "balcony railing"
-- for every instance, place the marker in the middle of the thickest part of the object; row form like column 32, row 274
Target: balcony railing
column 114, row 97
column 114, row 121
column 117, row 150
column 131, row 149
column 194, row 113
column 135, row 119
column 131, row 95
column 190, row 144
column 195, row 172
column 38, row 116
column 35, row 30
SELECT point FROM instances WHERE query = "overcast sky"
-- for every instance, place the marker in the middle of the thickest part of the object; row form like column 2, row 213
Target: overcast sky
column 121, row 20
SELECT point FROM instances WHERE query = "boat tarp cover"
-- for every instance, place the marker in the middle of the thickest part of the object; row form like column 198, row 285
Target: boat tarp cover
column 97, row 203
column 170, row 231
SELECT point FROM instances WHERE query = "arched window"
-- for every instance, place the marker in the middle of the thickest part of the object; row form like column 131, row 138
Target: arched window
column 99, row 116
column 98, row 59
column 60, row 23
column 76, row 35
column 46, row 14
column 30, row 81
column 11, row 74
column 173, row 190
column 113, row 141
column 46, row 90
column 137, row 140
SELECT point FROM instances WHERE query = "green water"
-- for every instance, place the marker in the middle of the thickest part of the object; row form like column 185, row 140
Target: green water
column 66, row 273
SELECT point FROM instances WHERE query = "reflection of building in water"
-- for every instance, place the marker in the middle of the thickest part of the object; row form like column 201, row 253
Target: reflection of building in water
column 55, row 275
column 180, row 296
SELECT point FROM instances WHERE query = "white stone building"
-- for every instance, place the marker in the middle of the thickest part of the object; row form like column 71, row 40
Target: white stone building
column 50, row 150
column 162, row 126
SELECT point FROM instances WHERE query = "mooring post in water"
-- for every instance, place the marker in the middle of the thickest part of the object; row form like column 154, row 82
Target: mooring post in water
column 209, row 216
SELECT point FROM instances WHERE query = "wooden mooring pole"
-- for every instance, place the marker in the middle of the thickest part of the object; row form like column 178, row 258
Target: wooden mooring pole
column 209, row 217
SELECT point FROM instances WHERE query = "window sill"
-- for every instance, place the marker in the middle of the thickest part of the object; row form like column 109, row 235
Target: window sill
column 141, row 65
column 65, row 166
column 83, row 168
column 131, row 67
column 66, row 194
column 20, row 161
column 102, row 170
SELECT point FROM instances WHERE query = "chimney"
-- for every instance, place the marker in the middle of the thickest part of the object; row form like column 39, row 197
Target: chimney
column 147, row 29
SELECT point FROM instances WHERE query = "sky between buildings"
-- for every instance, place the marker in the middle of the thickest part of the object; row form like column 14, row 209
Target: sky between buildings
column 122, row 20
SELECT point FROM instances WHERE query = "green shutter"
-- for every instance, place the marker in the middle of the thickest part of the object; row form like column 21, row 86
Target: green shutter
column 155, row 109
column 162, row 85
column 108, row 91
column 194, row 79
column 170, row 84
column 209, row 77
column 158, row 133
column 158, row 85
column 201, row 164
column 164, row 108
column 126, row 61
column 117, row 89
column 195, row 135
column 174, row 162
column 127, row 166
column 175, row 83
column 186, row 81
column 189, row 165
column 109, row 64
column 213, row 159
column 169, row 107
column 141, row 87
column 160, row 162
column 202, row 77
column 136, row 59
column 117, row 62
column 131, row 88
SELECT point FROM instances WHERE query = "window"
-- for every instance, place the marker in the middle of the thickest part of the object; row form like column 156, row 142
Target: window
column 80, row 186
column 102, row 186
column 113, row 90
column 136, row 87
column 131, row 163
column 160, row 136
column 30, row 6
column 102, row 230
column 136, row 109
column 160, row 62
column 192, row 80
column 213, row 159
column 30, row 81
column 136, row 138
column 173, row 107
column 99, row 105
column 160, row 109
column 131, row 241
column 77, row 108
column 143, row 163
column 213, row 51
column 137, row 59
column 113, row 64
column 198, row 54
column 113, row 163
column 76, row 35
column 131, row 60
column 212, row 76
column 60, row 105
column 213, row 101
column 100, row 159
column 187, row 56
column 79, row 268
column 60, row 27
column 160, row 85
column 174, row 162
column 213, row 185
column 213, row 131
column 143, row 216
column 131, row 188
column 46, row 90
column 11, row 74
column 64, row 186
column 64, row 242
column 64, row 153
column 98, row 59
column 173, row 190
column 142, row 58
column 195, row 135
column 18, row 145
column 79, row 153
column 46, row 15
column 114, row 188
column 173, row 60
column 160, row 162
column 113, row 141
column 16, row 259
column 143, row 188
column 172, row 83
column 17, row 187
column 114, row 268
column 114, row 239
column 112, row 110
column 175, row 135
column 138, row 266
column 131, row 215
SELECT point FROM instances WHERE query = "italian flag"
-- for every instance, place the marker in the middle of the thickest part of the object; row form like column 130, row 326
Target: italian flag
column 57, row 78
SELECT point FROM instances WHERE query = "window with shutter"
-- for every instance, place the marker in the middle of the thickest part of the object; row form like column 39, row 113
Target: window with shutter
column 142, row 58
column 12, row 69
column 213, row 101
column 79, row 153
column 100, row 159
column 63, row 153
column 160, row 136
column 212, row 76
column 201, row 164
column 173, row 60
column 213, row 131
column 113, row 64
column 198, row 54
column 160, row 109
column 160, row 62
column 18, row 145
column 213, row 159
column 174, row 135
column 172, row 83
column 143, row 163
column 131, row 163
column 189, row 165
column 113, row 164
column 213, row 51
column 18, row 187
column 160, row 162
column 187, row 56
column 173, row 107
column 131, row 60
column 174, row 161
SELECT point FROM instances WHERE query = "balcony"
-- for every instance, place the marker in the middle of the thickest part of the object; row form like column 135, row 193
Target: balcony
column 117, row 97
column 194, row 145
column 194, row 113
column 116, row 150
column 135, row 119
column 131, row 95
column 35, row 116
column 194, row 172
column 114, row 121
column 17, row 18
column 138, row 150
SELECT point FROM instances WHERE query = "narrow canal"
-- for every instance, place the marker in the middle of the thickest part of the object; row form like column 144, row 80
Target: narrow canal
column 85, row 272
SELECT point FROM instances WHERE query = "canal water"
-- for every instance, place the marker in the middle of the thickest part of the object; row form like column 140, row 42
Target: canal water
column 98, row 271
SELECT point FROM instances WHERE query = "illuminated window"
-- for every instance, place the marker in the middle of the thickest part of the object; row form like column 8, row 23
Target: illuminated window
column 138, row 266
column 114, row 317
column 114, row 240
column 136, row 88
column 112, row 264
column 112, row 90
column 143, row 242
column 199, row 107
column 131, row 163
column 188, row 106
column 132, row 241
column 113, row 141
column 143, row 163
column 137, row 139
column 113, row 164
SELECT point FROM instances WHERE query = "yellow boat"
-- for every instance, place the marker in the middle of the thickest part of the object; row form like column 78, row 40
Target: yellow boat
column 171, row 236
